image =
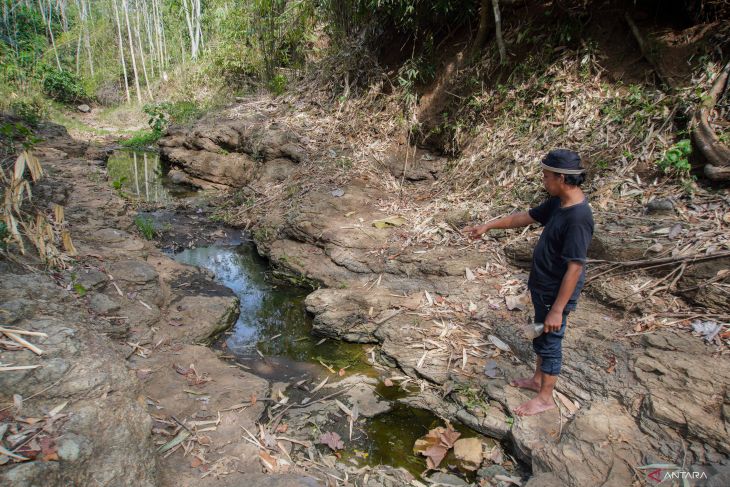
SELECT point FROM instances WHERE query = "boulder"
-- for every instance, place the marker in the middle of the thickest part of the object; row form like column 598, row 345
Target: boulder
column 468, row 451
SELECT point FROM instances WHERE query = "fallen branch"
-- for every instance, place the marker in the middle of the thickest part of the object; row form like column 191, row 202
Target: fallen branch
column 664, row 260
column 715, row 152
column 22, row 341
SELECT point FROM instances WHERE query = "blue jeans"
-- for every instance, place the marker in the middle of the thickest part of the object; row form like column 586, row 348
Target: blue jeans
column 549, row 346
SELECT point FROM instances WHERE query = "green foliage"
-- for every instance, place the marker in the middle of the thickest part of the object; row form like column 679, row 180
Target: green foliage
column 676, row 160
column 63, row 86
column 80, row 289
column 416, row 70
column 162, row 114
column 418, row 16
column 14, row 134
column 159, row 115
column 279, row 30
column 118, row 183
column 4, row 236
column 145, row 226
column 277, row 84
column 141, row 139
column 29, row 109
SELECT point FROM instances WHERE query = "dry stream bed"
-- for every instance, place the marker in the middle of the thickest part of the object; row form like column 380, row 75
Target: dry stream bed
column 272, row 336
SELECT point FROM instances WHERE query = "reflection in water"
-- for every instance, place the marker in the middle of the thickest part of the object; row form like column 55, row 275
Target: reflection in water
column 140, row 173
column 273, row 319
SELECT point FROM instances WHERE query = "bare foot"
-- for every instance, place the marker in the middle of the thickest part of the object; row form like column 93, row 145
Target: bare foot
column 534, row 406
column 526, row 383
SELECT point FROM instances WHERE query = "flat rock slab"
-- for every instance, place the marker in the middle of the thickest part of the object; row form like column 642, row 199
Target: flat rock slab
column 104, row 435
column 361, row 391
column 602, row 446
column 222, row 387
column 117, row 239
column 530, row 433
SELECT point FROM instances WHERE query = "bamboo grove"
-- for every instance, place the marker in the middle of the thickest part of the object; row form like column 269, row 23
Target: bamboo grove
column 121, row 46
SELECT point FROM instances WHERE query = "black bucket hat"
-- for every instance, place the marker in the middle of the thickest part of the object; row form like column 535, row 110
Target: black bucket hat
column 563, row 161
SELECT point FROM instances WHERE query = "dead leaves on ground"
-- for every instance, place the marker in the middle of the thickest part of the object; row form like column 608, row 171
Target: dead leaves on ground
column 436, row 444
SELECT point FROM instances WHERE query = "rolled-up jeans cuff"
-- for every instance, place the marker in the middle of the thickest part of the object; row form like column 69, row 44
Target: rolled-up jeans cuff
column 549, row 346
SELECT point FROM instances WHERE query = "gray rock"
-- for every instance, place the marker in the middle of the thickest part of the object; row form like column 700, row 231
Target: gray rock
column 660, row 205
column 268, row 480
column 133, row 271
column 32, row 474
column 84, row 108
column 90, row 278
column 102, row 304
column 721, row 478
column 70, row 447
column 446, row 479
column 362, row 393
column 457, row 218
column 490, row 471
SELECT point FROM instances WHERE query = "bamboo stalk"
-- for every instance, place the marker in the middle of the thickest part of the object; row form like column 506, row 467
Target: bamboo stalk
column 17, row 367
column 22, row 332
column 125, row 6
column 121, row 49
column 24, row 342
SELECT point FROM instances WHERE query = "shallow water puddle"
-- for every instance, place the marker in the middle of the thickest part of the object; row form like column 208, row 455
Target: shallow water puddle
column 272, row 320
column 391, row 436
column 142, row 175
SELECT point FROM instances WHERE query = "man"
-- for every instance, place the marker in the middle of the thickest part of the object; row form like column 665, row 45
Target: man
column 558, row 267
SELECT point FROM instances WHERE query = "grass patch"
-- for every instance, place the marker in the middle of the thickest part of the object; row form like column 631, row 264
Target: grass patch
column 60, row 115
column 145, row 227
column 142, row 139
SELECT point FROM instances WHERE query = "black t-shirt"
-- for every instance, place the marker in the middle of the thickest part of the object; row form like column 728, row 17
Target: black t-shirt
column 566, row 237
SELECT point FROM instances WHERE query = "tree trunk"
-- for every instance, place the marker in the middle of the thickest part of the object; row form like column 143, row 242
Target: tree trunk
column 715, row 152
column 121, row 50
column 141, row 55
column 87, row 16
column 498, row 32
column 50, row 32
column 483, row 26
column 125, row 6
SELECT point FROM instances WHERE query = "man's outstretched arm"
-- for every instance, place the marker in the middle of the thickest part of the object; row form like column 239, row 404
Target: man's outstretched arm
column 515, row 220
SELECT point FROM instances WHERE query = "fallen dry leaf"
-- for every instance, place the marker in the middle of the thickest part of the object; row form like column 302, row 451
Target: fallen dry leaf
column 332, row 440
column 436, row 444
column 195, row 462
column 180, row 369
column 269, row 461
column 434, row 455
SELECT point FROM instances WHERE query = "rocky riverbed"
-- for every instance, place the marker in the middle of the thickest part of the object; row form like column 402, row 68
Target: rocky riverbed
column 126, row 369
